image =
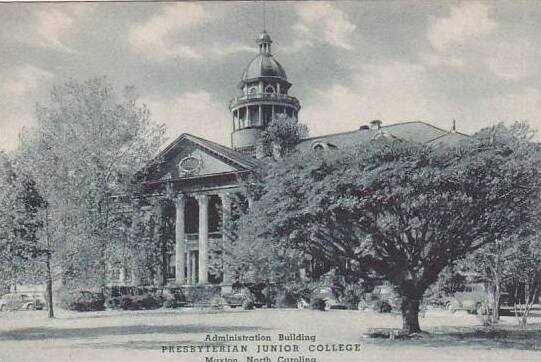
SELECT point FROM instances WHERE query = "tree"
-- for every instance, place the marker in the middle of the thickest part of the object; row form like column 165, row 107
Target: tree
column 281, row 136
column 257, row 260
column 525, row 274
column 404, row 210
column 88, row 143
column 10, row 264
column 492, row 263
column 20, row 225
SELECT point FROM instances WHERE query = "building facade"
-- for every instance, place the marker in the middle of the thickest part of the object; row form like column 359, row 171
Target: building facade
column 194, row 178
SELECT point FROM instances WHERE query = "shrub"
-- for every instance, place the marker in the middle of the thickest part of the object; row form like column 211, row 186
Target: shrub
column 136, row 298
column 382, row 306
column 149, row 301
column 172, row 297
column 352, row 295
column 201, row 294
column 286, row 299
column 81, row 300
column 113, row 302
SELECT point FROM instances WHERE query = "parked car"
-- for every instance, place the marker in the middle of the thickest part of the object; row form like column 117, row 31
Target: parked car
column 326, row 295
column 22, row 301
column 381, row 294
column 472, row 299
column 246, row 295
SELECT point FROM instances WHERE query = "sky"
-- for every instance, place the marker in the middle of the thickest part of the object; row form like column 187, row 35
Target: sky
column 350, row 62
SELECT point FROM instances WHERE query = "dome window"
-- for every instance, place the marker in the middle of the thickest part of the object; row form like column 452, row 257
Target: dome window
column 269, row 89
column 319, row 146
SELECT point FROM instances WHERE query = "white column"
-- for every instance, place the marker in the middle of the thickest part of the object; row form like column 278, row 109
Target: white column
column 158, row 277
column 226, row 218
column 203, row 238
column 193, row 261
column 180, row 241
column 189, row 271
column 260, row 116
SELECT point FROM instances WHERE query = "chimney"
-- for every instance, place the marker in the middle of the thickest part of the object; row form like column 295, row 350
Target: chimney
column 375, row 124
column 364, row 127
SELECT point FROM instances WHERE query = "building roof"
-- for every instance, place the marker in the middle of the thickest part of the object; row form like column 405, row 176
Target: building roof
column 227, row 152
column 263, row 65
column 223, row 151
column 416, row 131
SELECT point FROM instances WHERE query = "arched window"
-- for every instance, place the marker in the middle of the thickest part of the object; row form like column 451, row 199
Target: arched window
column 269, row 89
column 318, row 146
column 253, row 90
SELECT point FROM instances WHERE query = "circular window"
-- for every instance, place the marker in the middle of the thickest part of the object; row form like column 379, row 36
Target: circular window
column 189, row 165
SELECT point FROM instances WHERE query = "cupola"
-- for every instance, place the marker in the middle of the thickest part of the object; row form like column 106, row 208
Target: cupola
column 265, row 89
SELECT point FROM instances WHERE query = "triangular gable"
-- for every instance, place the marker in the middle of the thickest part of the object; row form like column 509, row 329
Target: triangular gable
column 190, row 156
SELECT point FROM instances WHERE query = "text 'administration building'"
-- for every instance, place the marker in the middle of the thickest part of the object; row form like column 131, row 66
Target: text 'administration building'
column 194, row 178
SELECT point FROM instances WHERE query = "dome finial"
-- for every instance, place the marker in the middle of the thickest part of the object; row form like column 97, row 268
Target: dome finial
column 264, row 42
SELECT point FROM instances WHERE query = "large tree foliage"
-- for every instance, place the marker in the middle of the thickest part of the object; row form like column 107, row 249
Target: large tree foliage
column 20, row 224
column 11, row 265
column 404, row 210
column 88, row 143
column 281, row 136
column 253, row 259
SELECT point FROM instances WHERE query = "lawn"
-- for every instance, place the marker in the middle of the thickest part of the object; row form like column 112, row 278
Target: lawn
column 139, row 336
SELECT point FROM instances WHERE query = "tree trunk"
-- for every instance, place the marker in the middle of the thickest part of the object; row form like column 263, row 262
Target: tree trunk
column 49, row 276
column 49, row 286
column 410, row 315
column 496, row 302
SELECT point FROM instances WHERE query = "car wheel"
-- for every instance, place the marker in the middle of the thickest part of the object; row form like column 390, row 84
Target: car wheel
column 450, row 307
column 30, row 306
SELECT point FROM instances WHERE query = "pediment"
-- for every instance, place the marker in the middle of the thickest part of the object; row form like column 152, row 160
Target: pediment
column 190, row 156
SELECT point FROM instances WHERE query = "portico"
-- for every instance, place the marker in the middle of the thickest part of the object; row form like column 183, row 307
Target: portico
column 192, row 187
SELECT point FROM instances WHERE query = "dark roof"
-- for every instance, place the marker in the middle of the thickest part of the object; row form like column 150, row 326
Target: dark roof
column 415, row 131
column 229, row 153
column 450, row 138
column 264, row 65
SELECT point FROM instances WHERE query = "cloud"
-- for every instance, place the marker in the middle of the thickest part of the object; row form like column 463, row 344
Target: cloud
column 466, row 22
column 521, row 105
column 18, row 91
column 168, row 35
column 321, row 22
column 47, row 27
column 516, row 60
column 195, row 112
column 470, row 38
column 392, row 92
column 154, row 38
